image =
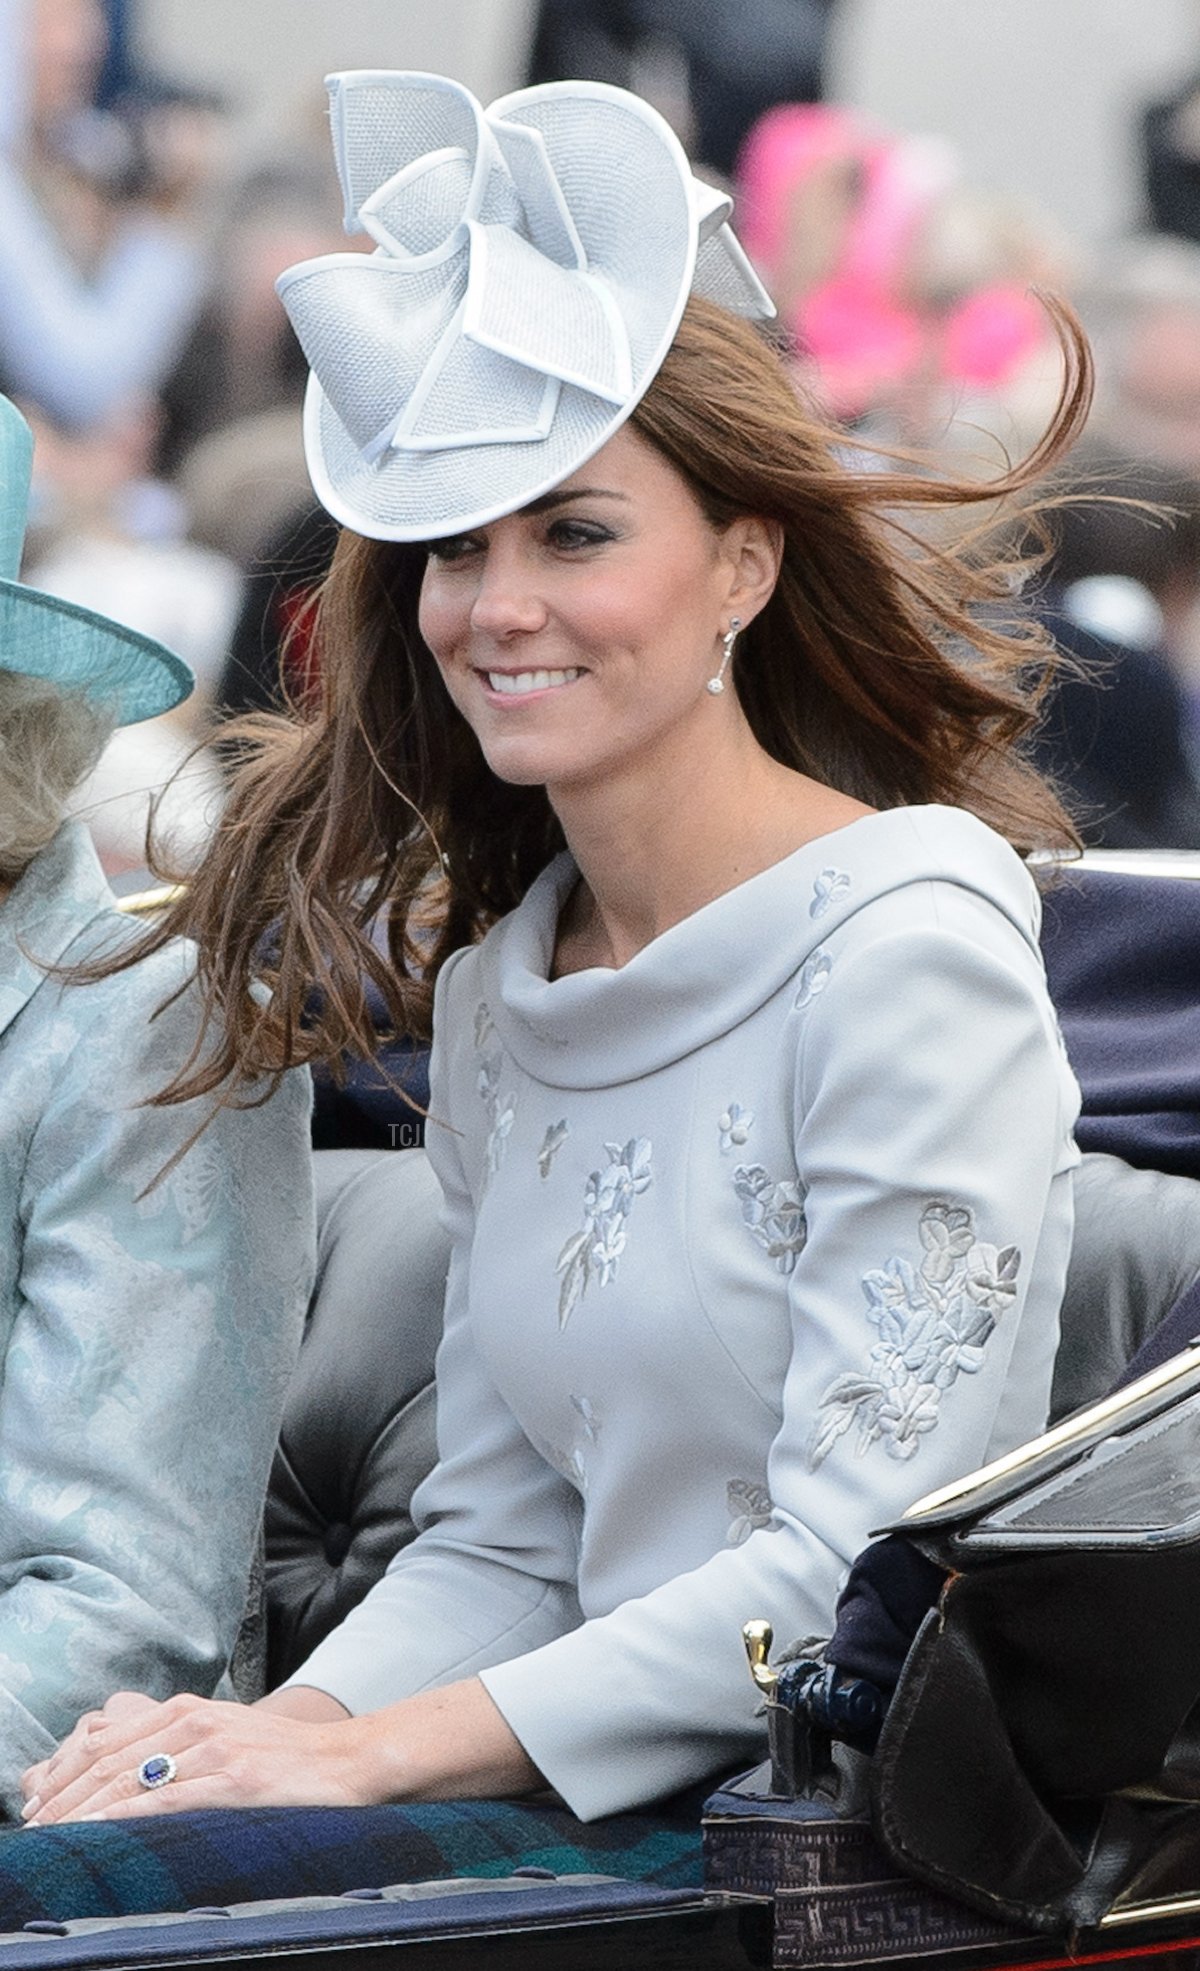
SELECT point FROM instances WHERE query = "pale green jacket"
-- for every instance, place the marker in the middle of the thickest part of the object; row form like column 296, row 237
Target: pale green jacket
column 147, row 1331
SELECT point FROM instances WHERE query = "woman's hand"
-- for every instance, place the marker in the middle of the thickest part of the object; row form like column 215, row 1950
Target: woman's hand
column 226, row 1755
column 296, row 1748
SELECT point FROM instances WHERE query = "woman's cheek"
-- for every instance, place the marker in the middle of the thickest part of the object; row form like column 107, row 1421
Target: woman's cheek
column 441, row 616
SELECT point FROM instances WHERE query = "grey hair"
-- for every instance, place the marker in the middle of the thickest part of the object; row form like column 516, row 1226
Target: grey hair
column 50, row 740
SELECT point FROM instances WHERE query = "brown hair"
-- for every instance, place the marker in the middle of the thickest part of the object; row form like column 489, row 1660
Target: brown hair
column 887, row 663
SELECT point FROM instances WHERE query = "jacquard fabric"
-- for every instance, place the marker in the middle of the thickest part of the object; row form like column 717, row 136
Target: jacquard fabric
column 148, row 1322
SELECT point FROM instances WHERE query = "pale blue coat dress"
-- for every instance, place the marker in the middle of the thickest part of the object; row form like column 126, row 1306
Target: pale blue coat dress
column 756, row 1240
column 147, row 1332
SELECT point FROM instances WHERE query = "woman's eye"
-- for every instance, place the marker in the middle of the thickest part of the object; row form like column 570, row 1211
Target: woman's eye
column 579, row 534
column 457, row 548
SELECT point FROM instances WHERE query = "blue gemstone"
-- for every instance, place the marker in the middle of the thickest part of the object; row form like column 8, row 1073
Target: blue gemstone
column 156, row 1770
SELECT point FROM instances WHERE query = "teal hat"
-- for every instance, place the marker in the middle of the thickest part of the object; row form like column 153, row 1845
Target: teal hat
column 43, row 637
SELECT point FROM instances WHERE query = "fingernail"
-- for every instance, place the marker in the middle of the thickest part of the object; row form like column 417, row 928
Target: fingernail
column 31, row 1806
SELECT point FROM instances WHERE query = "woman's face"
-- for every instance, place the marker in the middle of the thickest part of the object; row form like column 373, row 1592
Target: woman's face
column 578, row 635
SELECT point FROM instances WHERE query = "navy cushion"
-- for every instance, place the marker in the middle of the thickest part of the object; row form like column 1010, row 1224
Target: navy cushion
column 250, row 1930
column 1123, row 962
column 180, row 1861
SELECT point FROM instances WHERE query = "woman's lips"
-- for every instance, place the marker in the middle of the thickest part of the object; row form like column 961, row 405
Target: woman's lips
column 524, row 684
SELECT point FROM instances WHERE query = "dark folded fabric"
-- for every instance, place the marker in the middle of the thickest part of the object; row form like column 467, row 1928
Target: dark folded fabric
column 375, row 1105
column 888, row 1592
column 1182, row 1325
column 182, row 1861
column 1123, row 962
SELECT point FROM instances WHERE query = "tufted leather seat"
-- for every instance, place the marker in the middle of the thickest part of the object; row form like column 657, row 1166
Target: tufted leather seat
column 358, row 1429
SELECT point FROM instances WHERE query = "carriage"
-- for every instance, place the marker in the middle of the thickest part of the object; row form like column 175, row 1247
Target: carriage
column 1028, row 1794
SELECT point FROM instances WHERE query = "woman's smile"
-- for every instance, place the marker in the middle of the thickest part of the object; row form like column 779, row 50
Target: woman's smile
column 528, row 684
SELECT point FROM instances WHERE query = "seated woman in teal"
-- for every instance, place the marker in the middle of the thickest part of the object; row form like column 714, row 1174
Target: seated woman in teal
column 153, row 1272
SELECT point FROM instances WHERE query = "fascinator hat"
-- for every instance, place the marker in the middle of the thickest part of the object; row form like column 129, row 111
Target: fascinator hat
column 43, row 637
column 532, row 262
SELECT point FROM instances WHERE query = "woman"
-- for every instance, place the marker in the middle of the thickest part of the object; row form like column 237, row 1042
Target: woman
column 749, row 1110
column 154, row 1277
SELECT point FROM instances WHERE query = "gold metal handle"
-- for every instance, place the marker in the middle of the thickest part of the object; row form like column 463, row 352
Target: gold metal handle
column 758, row 1637
column 144, row 903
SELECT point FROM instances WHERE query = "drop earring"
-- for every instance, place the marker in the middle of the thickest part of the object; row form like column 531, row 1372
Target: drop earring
column 717, row 685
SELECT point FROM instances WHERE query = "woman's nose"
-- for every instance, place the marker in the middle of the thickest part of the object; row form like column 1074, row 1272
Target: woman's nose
column 506, row 601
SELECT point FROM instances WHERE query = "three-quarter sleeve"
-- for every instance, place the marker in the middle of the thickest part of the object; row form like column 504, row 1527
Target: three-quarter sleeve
column 156, row 1318
column 492, row 1571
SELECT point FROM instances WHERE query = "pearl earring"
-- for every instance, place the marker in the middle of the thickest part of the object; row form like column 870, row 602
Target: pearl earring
column 717, row 685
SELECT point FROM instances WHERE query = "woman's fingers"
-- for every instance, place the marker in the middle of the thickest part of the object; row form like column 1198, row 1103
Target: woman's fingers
column 77, row 1748
column 183, row 1796
column 105, row 1794
column 224, row 1755
column 121, row 1705
column 106, row 1745
column 35, row 1779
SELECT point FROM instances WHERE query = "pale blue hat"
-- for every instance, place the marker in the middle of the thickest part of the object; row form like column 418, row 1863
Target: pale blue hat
column 42, row 637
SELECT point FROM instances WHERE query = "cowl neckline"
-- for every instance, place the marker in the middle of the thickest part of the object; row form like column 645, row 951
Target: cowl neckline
column 714, row 969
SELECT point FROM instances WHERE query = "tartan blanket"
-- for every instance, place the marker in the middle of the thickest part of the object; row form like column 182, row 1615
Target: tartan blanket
column 188, row 1861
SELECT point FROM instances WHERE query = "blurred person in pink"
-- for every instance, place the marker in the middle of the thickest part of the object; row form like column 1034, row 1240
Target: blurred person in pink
column 845, row 222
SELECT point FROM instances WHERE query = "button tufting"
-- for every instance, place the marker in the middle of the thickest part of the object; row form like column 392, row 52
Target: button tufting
column 337, row 1541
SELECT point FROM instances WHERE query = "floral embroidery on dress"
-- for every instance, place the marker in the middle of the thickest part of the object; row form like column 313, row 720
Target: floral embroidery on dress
column 552, row 1143
column 749, row 1508
column 734, row 1127
column 773, row 1210
column 814, row 977
column 568, row 1464
column 830, row 884
column 585, row 1409
column 933, row 1322
column 572, row 1464
column 607, row 1201
column 501, row 1107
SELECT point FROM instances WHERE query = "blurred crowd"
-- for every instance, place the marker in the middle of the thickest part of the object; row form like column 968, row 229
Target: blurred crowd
column 141, row 334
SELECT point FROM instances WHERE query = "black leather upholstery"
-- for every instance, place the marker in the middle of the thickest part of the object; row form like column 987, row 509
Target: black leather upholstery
column 358, row 1430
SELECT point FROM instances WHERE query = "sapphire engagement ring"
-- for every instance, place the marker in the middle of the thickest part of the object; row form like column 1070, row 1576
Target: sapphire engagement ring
column 156, row 1770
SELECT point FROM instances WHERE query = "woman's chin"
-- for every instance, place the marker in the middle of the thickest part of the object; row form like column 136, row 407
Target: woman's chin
column 534, row 766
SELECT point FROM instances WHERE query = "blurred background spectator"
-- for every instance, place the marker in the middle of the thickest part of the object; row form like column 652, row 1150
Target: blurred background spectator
column 904, row 176
column 103, row 267
column 711, row 68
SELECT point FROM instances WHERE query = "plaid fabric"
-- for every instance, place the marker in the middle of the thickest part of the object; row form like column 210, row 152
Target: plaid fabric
column 181, row 1861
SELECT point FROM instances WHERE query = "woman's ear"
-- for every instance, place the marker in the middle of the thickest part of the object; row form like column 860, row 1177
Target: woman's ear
column 752, row 549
